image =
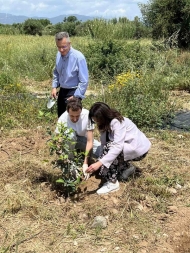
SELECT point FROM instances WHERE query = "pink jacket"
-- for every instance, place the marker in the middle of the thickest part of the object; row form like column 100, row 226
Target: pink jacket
column 126, row 138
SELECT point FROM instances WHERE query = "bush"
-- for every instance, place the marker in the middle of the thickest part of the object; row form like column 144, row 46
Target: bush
column 144, row 99
column 109, row 58
column 33, row 27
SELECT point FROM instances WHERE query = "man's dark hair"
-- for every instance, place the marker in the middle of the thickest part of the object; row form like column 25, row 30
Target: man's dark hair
column 74, row 104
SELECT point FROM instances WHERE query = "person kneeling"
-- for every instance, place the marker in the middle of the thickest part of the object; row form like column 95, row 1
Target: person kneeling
column 121, row 143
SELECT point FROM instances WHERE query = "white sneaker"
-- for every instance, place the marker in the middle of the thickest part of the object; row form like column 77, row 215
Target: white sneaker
column 108, row 187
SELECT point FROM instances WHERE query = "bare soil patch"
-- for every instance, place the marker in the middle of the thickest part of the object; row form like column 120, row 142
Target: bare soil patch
column 150, row 213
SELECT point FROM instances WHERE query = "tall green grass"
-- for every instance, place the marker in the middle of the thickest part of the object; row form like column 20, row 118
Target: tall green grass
column 145, row 100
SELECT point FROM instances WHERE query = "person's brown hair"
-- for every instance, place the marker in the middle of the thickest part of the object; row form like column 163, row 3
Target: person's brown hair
column 104, row 115
column 74, row 104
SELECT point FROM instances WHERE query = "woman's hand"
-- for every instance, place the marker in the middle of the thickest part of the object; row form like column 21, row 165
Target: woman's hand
column 93, row 167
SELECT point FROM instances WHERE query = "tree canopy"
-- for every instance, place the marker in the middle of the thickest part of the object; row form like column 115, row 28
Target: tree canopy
column 168, row 17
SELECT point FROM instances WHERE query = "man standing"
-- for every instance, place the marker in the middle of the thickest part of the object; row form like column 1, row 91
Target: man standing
column 77, row 118
column 70, row 73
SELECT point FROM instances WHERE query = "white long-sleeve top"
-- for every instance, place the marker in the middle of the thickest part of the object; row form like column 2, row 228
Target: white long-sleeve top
column 126, row 138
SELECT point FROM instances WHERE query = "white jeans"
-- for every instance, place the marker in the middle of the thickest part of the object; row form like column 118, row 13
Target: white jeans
column 81, row 144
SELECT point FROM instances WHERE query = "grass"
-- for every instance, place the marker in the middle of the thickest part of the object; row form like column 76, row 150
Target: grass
column 36, row 217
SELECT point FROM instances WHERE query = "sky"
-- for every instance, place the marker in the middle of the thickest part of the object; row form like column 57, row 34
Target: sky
column 52, row 8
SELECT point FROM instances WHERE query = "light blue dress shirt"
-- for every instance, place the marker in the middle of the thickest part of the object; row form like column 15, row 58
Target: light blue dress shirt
column 71, row 71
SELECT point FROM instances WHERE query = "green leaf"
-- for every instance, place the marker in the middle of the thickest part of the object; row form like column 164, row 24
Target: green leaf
column 60, row 180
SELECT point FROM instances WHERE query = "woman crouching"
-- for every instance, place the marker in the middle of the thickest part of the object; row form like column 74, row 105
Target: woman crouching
column 121, row 143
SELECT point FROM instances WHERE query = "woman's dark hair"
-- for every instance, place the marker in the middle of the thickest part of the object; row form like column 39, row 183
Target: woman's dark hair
column 104, row 115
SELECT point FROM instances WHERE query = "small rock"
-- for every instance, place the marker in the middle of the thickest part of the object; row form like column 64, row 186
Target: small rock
column 178, row 186
column 117, row 248
column 99, row 221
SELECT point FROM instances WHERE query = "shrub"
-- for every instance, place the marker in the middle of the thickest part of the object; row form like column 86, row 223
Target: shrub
column 144, row 99
column 67, row 159
column 109, row 58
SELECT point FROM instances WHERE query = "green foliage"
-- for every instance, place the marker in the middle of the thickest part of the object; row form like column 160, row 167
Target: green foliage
column 104, row 29
column 70, row 28
column 109, row 58
column 104, row 58
column 29, row 56
column 69, row 24
column 167, row 17
column 6, row 79
column 9, row 29
column 33, row 27
column 70, row 19
column 142, row 98
column 20, row 109
column 141, row 31
column 47, row 115
column 114, row 28
column 45, row 22
column 68, row 159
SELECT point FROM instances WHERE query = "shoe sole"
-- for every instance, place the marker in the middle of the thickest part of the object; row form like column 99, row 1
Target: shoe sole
column 108, row 192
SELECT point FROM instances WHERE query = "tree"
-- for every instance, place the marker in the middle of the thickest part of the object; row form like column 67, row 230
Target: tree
column 33, row 27
column 45, row 22
column 70, row 19
column 168, row 17
column 123, row 20
column 114, row 21
column 140, row 29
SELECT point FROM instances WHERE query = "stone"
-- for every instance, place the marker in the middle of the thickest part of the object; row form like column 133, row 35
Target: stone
column 99, row 221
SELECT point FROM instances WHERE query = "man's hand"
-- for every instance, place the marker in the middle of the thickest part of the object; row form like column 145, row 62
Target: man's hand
column 84, row 168
column 54, row 93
